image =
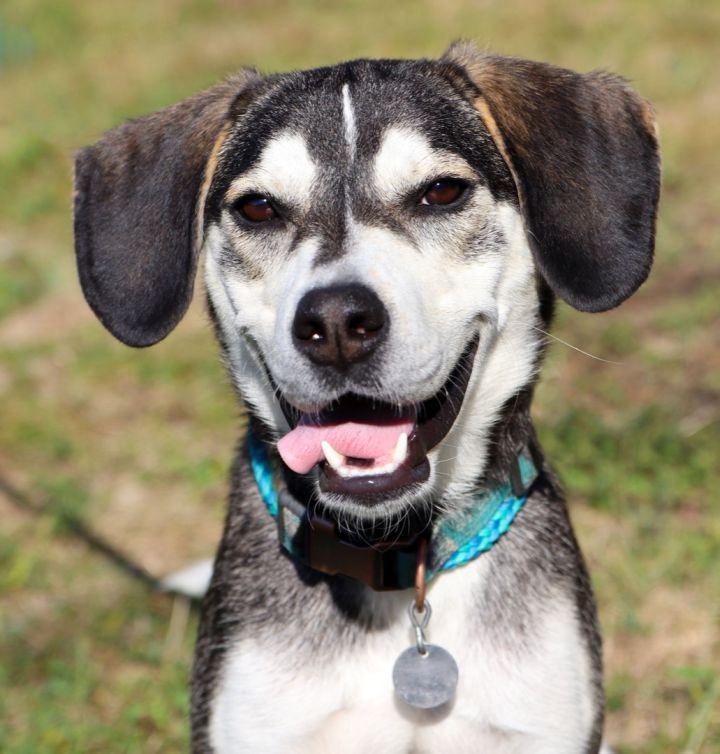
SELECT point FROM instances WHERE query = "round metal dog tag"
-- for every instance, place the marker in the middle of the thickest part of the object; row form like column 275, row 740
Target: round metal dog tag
column 425, row 680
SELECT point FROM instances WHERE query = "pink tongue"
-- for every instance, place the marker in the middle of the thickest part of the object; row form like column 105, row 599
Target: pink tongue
column 301, row 448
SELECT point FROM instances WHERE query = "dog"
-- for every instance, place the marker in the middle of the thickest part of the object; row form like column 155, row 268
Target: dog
column 383, row 245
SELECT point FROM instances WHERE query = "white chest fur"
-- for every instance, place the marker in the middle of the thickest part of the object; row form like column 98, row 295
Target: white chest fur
column 274, row 699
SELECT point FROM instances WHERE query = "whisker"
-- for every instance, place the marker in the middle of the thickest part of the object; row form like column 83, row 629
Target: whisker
column 575, row 348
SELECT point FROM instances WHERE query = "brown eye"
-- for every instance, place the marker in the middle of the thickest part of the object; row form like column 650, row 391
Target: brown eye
column 442, row 193
column 255, row 208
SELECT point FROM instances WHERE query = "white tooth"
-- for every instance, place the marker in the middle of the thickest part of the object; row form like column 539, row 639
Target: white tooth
column 335, row 459
column 400, row 451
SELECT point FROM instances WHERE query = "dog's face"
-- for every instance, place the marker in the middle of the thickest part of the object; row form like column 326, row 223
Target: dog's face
column 376, row 235
column 364, row 251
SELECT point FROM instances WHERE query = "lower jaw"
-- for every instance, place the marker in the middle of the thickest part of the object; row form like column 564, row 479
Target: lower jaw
column 371, row 489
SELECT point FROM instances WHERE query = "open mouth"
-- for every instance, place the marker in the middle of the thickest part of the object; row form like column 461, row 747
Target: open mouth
column 369, row 449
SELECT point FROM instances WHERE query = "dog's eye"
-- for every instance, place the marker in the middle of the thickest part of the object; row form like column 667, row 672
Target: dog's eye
column 443, row 193
column 255, row 208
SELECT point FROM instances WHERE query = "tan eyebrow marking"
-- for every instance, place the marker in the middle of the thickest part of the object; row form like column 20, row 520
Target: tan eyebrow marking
column 210, row 167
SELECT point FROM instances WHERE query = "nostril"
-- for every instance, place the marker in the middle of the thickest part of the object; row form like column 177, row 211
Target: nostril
column 309, row 329
column 364, row 324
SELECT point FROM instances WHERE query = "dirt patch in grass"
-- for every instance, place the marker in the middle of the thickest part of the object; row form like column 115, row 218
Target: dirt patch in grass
column 52, row 319
column 161, row 527
column 682, row 635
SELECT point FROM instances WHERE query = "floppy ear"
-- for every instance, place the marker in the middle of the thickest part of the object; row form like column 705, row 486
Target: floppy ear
column 583, row 151
column 138, row 195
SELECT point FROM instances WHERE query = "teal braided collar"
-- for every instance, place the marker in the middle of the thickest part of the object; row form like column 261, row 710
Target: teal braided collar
column 456, row 538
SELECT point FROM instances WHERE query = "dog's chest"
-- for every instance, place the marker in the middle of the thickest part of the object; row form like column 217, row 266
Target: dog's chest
column 277, row 696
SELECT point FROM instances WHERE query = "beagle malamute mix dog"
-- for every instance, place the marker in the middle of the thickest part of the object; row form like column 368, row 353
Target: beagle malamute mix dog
column 383, row 242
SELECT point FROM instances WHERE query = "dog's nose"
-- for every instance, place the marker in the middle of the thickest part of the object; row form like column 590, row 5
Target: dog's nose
column 339, row 325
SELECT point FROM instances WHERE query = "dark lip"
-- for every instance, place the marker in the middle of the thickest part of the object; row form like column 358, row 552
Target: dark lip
column 434, row 418
column 437, row 414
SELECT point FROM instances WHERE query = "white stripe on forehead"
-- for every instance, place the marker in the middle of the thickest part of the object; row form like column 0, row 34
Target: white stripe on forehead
column 284, row 170
column 349, row 121
column 406, row 160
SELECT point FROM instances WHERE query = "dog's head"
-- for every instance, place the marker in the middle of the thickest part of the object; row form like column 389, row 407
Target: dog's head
column 379, row 236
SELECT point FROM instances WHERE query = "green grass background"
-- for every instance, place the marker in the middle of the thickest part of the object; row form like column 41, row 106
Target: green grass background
column 137, row 443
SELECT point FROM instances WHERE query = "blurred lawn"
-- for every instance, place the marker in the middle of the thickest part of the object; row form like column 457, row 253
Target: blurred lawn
column 137, row 443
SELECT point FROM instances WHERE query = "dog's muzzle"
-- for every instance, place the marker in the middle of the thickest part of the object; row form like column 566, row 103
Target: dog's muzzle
column 365, row 448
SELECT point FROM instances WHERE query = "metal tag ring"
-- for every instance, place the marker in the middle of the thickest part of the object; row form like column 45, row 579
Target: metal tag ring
column 419, row 621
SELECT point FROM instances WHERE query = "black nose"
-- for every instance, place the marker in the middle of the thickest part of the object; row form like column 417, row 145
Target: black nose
column 339, row 325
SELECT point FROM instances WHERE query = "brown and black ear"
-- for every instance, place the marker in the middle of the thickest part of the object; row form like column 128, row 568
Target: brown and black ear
column 583, row 151
column 136, row 199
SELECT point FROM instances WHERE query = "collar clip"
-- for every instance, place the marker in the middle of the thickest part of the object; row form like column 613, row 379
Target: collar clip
column 318, row 543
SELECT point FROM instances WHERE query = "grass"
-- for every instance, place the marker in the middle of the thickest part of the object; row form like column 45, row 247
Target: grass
column 137, row 444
